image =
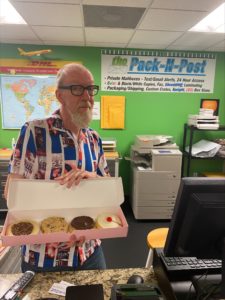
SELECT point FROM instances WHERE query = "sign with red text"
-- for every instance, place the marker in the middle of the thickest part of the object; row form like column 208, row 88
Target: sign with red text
column 31, row 66
column 136, row 73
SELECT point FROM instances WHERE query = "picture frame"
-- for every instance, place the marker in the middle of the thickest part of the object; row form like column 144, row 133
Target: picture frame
column 211, row 104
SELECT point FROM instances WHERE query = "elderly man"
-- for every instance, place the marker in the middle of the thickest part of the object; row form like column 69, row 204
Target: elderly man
column 63, row 148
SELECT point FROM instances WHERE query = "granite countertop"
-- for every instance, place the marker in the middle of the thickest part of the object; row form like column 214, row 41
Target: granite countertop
column 42, row 282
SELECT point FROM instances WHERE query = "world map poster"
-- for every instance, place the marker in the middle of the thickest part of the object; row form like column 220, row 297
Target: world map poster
column 24, row 98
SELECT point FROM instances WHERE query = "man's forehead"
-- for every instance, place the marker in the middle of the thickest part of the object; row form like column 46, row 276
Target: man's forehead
column 79, row 76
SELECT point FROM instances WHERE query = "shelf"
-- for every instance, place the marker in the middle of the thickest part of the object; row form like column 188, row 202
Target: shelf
column 216, row 157
column 188, row 138
column 192, row 127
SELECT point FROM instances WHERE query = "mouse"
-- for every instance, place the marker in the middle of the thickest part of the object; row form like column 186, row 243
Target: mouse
column 135, row 279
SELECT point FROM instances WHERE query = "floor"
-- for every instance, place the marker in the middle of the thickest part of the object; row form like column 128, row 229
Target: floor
column 132, row 251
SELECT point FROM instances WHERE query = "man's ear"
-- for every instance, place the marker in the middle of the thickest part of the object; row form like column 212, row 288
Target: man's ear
column 59, row 96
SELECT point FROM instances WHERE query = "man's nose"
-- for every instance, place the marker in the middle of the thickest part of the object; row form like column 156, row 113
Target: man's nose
column 86, row 95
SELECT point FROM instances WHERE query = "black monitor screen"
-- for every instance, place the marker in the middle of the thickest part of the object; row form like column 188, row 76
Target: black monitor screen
column 198, row 224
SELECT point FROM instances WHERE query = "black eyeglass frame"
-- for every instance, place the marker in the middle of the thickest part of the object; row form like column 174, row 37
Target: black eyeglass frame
column 88, row 88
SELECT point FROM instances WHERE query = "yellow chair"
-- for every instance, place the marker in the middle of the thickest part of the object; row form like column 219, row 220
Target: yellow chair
column 155, row 239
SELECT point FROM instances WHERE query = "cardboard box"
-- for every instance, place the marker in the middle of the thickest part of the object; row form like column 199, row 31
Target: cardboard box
column 39, row 199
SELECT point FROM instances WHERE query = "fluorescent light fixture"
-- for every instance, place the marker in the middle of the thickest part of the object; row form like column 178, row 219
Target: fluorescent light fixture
column 214, row 22
column 8, row 14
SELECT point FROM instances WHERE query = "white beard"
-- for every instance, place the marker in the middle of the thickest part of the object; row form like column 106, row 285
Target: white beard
column 81, row 120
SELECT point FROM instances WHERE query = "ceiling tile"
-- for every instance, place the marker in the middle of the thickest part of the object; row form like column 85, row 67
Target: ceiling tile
column 171, row 20
column 21, row 42
column 110, row 45
column 50, row 14
column 147, row 46
column 22, row 32
column 108, row 35
column 204, row 39
column 218, row 47
column 49, row 1
column 200, row 5
column 64, row 43
column 163, row 25
column 154, row 37
column 182, row 47
column 59, row 33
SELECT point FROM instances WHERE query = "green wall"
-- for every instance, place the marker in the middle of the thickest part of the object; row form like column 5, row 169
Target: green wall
column 146, row 113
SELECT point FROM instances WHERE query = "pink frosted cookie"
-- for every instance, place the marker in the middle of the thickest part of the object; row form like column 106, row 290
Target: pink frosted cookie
column 108, row 220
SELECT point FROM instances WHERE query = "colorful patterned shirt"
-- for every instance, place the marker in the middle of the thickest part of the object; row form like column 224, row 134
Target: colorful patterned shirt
column 45, row 150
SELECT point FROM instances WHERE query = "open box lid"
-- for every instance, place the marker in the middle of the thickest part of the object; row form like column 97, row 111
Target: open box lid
column 30, row 194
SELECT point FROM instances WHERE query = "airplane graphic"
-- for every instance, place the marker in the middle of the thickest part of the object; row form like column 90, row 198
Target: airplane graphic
column 33, row 53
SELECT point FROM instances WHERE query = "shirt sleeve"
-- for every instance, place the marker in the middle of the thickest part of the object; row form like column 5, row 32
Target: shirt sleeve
column 23, row 160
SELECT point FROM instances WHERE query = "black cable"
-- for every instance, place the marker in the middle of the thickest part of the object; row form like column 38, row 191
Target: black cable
column 208, row 290
column 214, row 289
column 199, row 296
column 189, row 293
column 188, row 297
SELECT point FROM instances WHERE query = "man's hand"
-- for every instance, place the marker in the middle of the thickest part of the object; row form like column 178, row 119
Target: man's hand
column 74, row 176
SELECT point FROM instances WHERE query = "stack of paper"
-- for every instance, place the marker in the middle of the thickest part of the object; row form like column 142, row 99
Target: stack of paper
column 204, row 148
column 109, row 147
column 204, row 120
column 5, row 153
column 151, row 141
column 109, row 144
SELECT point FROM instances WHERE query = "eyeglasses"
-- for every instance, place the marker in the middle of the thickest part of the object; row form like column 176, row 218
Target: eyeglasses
column 78, row 90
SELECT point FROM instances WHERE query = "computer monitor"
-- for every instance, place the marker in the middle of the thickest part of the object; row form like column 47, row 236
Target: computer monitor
column 197, row 227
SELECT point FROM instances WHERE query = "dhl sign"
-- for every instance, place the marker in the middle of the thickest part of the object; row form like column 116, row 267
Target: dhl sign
column 24, row 66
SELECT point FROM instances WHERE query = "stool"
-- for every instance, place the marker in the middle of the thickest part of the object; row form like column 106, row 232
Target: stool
column 155, row 239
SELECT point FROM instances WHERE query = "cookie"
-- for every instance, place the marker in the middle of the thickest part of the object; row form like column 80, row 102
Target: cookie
column 54, row 224
column 81, row 223
column 23, row 227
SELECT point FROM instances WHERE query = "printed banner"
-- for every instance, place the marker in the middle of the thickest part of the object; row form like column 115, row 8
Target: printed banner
column 137, row 73
column 31, row 66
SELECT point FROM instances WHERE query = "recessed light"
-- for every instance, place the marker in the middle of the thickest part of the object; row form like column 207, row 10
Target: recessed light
column 8, row 14
column 214, row 22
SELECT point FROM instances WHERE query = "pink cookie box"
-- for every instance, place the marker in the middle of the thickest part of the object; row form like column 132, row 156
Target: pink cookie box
column 40, row 199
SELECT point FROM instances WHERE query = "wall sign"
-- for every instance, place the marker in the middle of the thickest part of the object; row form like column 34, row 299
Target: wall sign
column 143, row 73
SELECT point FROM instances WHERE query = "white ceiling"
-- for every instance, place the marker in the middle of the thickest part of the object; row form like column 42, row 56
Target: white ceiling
column 148, row 24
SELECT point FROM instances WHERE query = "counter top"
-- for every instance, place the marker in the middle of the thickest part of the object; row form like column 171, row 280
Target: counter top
column 42, row 282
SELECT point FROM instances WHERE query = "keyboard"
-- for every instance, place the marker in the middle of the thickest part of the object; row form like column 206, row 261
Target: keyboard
column 193, row 265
